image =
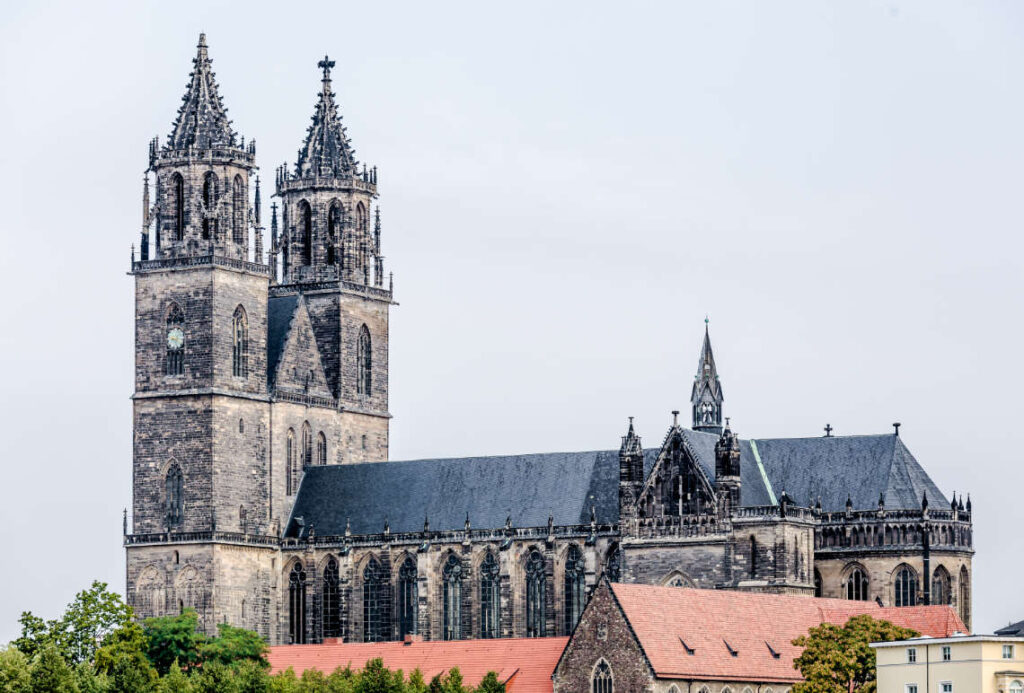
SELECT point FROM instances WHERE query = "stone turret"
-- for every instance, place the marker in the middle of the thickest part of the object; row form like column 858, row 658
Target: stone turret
column 326, row 200
column 202, row 179
column 727, row 470
column 631, row 472
column 707, row 397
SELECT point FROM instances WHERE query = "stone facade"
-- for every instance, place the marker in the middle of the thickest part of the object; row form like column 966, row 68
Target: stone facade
column 252, row 367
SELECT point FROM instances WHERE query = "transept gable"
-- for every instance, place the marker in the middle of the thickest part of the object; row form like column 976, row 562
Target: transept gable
column 299, row 368
column 678, row 483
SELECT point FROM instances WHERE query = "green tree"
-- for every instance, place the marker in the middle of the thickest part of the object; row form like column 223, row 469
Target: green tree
column 233, row 645
column 838, row 659
column 342, row 680
column 173, row 638
column 284, row 682
column 490, row 684
column 175, row 680
column 214, row 677
column 15, row 673
column 452, row 683
column 89, row 680
column 376, row 678
column 417, row 684
column 78, row 633
column 252, row 677
column 50, row 673
column 313, row 681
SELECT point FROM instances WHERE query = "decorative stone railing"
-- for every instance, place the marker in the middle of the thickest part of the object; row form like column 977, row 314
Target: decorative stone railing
column 883, row 529
column 354, row 182
column 205, row 537
column 200, row 261
column 329, row 284
column 304, row 398
column 177, row 156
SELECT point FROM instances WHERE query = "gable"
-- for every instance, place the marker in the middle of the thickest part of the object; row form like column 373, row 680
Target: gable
column 603, row 633
column 299, row 368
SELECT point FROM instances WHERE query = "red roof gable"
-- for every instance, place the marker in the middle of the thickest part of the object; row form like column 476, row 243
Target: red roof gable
column 523, row 664
column 670, row 622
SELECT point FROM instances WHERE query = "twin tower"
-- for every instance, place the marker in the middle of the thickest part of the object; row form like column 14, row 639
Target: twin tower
column 253, row 362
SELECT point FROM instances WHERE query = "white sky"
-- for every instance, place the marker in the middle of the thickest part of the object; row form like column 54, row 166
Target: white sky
column 567, row 189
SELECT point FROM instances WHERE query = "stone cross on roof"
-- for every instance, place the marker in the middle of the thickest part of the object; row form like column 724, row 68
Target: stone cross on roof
column 326, row 64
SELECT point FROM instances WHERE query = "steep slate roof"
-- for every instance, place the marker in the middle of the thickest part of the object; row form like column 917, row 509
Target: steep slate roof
column 202, row 121
column 565, row 485
column 529, row 488
column 663, row 618
column 1012, row 629
column 280, row 311
column 858, row 467
column 522, row 664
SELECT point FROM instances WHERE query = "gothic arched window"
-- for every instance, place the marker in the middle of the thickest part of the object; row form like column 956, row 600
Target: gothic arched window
column 857, row 585
column 321, row 449
column 574, row 588
column 602, row 679
column 905, row 587
column 297, row 604
column 408, row 595
column 307, row 445
column 331, row 603
column 178, row 206
column 451, row 576
column 210, row 204
column 175, row 362
column 333, row 232
column 965, row 596
column 753, row 557
column 375, row 602
column 817, row 583
column 365, row 365
column 174, row 490
column 291, row 464
column 490, row 598
column 306, row 229
column 238, row 211
column 240, row 344
column 941, row 592
column 536, row 588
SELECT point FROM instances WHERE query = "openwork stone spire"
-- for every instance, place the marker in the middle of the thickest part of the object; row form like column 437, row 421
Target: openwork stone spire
column 327, row 151
column 202, row 121
column 707, row 390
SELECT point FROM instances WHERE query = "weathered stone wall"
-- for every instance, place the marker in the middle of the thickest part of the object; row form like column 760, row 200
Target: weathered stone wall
column 430, row 562
column 173, row 430
column 221, row 237
column 699, row 563
column 244, row 585
column 163, row 580
column 603, row 634
column 241, row 470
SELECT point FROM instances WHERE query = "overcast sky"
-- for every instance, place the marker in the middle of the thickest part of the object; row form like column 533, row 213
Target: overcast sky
column 566, row 190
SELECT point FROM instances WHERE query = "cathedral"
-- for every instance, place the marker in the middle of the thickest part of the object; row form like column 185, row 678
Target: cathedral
column 262, row 491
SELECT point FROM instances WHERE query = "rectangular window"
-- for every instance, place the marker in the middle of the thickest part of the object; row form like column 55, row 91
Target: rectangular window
column 1007, row 651
column 911, row 688
column 946, row 687
column 947, row 653
column 911, row 655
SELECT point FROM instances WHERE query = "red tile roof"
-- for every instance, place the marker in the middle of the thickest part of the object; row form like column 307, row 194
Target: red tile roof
column 669, row 621
column 522, row 664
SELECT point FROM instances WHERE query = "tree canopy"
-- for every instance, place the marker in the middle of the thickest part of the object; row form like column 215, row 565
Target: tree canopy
column 838, row 659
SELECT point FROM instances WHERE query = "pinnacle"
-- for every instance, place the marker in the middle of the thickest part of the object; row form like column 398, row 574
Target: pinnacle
column 202, row 121
column 326, row 151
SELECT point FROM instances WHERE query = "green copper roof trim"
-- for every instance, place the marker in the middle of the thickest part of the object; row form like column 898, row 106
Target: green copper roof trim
column 764, row 475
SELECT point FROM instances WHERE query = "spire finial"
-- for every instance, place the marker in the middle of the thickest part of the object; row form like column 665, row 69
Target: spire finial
column 326, row 64
column 707, row 322
column 675, row 417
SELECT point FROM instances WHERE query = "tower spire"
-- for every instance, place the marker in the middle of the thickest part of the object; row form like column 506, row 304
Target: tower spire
column 326, row 151
column 707, row 395
column 202, row 120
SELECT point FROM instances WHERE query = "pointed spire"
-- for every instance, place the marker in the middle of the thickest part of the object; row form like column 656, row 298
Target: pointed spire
column 202, row 121
column 952, row 503
column 706, row 396
column 924, row 501
column 630, row 442
column 968, row 501
column 326, row 151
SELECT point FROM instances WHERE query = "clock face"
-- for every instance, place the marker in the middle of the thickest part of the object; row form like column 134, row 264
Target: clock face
column 175, row 339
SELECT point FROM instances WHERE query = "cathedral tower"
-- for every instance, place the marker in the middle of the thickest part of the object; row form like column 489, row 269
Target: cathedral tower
column 707, row 391
column 328, row 253
column 201, row 407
